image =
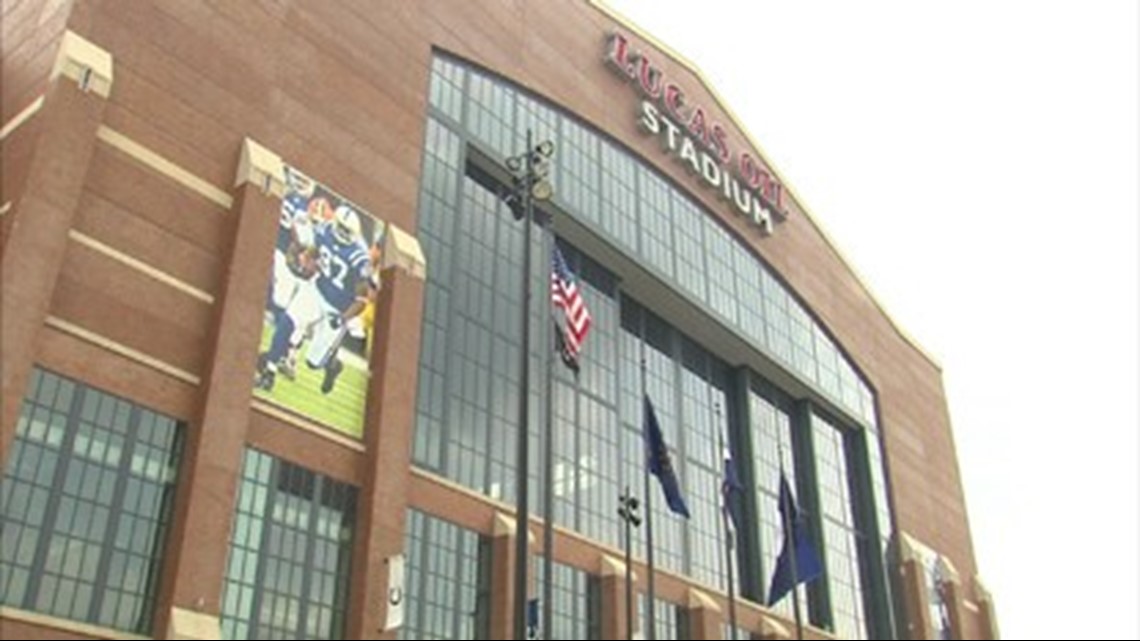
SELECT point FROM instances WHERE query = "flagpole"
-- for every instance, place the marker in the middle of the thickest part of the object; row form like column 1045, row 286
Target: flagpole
column 793, row 548
column 651, row 608
column 548, row 451
column 729, row 538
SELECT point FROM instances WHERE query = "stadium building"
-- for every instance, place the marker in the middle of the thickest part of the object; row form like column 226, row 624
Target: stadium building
column 263, row 339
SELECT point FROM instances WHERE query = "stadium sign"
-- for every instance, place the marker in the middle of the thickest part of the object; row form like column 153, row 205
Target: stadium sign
column 698, row 142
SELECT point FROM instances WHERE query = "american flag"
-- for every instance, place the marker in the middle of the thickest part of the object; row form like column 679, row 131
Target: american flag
column 564, row 294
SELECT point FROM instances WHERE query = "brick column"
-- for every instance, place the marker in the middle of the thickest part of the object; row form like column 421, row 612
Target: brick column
column 36, row 244
column 500, row 618
column 705, row 618
column 613, row 595
column 388, row 424
column 191, row 589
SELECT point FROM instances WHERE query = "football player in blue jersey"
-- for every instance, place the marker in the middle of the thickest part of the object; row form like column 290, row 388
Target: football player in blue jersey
column 294, row 240
column 338, row 293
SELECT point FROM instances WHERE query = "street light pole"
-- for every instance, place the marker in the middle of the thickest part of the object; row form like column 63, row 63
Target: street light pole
column 522, row 471
column 530, row 184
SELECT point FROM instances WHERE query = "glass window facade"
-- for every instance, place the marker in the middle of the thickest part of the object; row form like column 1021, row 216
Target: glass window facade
column 290, row 553
column 772, row 448
column 842, row 535
column 571, row 616
column 670, row 623
column 641, row 212
column 85, row 505
column 466, row 422
column 446, row 578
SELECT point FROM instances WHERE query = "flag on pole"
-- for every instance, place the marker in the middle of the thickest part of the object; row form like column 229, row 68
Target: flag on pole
column 806, row 564
column 532, row 618
column 564, row 295
column 732, row 491
column 563, row 349
column 660, row 464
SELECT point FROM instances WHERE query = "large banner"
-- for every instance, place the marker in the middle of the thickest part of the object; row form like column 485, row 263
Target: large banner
column 316, row 339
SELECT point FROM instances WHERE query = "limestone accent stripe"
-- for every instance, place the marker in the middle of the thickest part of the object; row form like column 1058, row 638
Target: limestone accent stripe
column 138, row 265
column 188, row 624
column 165, row 167
column 25, row 114
column 296, row 421
column 122, row 350
column 73, row 627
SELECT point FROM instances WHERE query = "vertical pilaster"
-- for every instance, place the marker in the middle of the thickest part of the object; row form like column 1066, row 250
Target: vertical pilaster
column 191, row 588
column 388, row 425
column 705, row 618
column 500, row 619
column 36, row 241
column 613, row 598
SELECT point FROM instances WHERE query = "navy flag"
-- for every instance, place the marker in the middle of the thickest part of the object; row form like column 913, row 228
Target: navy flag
column 797, row 541
column 660, row 464
column 532, row 618
column 732, row 491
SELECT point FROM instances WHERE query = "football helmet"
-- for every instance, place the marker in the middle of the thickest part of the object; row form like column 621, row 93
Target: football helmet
column 346, row 225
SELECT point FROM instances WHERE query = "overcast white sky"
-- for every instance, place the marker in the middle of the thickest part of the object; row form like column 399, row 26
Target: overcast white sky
column 978, row 162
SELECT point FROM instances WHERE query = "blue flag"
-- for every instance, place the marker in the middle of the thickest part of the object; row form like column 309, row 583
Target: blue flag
column 532, row 618
column 660, row 464
column 798, row 542
column 732, row 491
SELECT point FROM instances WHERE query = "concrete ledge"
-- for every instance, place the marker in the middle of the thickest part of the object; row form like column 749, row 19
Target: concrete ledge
column 65, row 625
column 610, row 566
column 261, row 168
column 402, row 250
column 90, row 66
column 187, row 624
column 700, row 600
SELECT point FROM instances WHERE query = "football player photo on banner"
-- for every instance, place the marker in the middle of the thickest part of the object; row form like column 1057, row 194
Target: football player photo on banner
column 316, row 337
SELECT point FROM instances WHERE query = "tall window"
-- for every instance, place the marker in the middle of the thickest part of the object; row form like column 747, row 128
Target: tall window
column 841, row 535
column 670, row 620
column 689, row 390
column 772, row 453
column 290, row 553
column 570, row 612
column 447, row 579
column 85, row 505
